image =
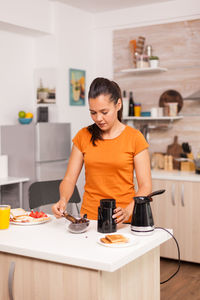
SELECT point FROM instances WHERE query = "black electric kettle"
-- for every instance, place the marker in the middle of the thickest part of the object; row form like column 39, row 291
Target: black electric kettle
column 142, row 218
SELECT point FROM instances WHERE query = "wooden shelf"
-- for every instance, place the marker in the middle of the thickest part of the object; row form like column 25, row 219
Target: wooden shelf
column 153, row 118
column 144, row 70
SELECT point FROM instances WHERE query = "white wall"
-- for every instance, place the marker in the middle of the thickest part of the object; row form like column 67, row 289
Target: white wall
column 20, row 21
column 27, row 14
column 16, row 76
column 106, row 23
column 69, row 47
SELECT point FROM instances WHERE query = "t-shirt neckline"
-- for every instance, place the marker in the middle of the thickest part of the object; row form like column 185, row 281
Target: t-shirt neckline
column 121, row 133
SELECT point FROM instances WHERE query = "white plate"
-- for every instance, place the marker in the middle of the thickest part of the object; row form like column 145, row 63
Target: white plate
column 132, row 241
column 35, row 222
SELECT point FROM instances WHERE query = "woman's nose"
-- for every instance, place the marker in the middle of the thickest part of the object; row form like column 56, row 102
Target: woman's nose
column 98, row 117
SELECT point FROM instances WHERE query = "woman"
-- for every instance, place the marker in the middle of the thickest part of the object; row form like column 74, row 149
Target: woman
column 111, row 151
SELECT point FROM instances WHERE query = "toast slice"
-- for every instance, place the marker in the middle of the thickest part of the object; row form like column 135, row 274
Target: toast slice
column 16, row 212
column 114, row 239
column 105, row 241
column 28, row 219
column 23, row 219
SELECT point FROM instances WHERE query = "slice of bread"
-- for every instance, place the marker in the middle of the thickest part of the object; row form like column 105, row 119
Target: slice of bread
column 16, row 212
column 22, row 219
column 114, row 239
column 28, row 219
column 105, row 241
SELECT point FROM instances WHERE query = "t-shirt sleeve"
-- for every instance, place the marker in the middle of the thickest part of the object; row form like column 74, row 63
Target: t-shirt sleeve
column 140, row 143
column 81, row 139
column 78, row 140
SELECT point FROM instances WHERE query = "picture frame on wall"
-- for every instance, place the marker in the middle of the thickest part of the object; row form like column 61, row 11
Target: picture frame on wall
column 76, row 87
column 45, row 81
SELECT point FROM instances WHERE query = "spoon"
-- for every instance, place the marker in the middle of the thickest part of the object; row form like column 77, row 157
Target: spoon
column 77, row 225
column 70, row 218
column 74, row 220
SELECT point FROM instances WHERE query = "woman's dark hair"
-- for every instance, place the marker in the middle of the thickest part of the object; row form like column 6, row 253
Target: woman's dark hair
column 103, row 86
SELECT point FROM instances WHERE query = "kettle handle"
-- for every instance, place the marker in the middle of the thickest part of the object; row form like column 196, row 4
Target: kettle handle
column 155, row 193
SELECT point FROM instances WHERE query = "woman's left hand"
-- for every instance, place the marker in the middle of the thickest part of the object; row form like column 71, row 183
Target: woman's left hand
column 121, row 215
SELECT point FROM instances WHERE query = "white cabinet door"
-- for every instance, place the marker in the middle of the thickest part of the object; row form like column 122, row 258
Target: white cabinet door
column 179, row 209
column 189, row 221
column 165, row 213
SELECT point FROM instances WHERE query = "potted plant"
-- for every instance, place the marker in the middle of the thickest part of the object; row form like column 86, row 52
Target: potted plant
column 154, row 61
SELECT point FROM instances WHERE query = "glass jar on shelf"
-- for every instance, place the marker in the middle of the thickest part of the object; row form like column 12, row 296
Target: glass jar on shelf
column 137, row 109
column 142, row 61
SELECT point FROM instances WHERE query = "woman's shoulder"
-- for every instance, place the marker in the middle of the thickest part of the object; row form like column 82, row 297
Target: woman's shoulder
column 82, row 135
column 135, row 139
column 82, row 139
column 132, row 131
column 84, row 132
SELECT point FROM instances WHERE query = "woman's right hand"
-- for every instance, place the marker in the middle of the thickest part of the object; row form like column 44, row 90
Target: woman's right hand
column 59, row 208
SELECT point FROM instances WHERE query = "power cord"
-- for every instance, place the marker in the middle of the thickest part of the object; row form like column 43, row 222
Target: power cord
column 178, row 249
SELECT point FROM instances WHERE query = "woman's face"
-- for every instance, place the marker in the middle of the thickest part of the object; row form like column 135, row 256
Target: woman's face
column 104, row 111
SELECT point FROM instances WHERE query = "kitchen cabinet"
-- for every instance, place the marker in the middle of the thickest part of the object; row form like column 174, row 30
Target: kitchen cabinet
column 178, row 208
column 48, row 262
column 27, row 278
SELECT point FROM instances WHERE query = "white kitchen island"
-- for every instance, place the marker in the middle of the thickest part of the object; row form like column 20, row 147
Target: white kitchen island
column 47, row 262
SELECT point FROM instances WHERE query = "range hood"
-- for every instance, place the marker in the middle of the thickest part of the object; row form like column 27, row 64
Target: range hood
column 194, row 96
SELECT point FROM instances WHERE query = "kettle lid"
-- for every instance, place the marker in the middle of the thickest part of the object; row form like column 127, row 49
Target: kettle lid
column 142, row 199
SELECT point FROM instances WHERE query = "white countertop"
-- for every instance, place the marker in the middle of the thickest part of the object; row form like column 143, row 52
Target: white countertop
column 175, row 175
column 52, row 241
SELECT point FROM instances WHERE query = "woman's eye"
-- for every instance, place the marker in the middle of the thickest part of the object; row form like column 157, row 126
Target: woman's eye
column 104, row 112
column 92, row 113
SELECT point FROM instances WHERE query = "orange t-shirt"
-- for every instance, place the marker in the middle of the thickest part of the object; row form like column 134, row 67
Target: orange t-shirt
column 109, row 168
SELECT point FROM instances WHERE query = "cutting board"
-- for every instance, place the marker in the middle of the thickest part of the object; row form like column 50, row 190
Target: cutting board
column 175, row 150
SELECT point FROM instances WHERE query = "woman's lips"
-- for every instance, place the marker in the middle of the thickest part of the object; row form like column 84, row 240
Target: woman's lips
column 101, row 124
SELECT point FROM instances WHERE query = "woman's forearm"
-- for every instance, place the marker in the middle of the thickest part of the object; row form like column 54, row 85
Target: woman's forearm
column 144, row 190
column 73, row 170
column 66, row 189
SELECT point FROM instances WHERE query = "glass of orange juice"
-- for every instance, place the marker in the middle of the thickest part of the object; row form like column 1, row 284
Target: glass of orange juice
column 4, row 216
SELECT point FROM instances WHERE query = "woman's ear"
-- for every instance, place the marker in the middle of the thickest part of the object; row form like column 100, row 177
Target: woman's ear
column 119, row 104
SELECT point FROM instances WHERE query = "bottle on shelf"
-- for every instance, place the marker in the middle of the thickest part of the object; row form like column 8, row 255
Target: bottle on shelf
column 125, row 104
column 131, row 105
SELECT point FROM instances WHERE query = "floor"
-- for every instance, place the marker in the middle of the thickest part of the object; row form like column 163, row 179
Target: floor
column 185, row 285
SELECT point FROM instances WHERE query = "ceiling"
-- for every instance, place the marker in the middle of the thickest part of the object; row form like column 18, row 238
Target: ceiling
column 97, row 6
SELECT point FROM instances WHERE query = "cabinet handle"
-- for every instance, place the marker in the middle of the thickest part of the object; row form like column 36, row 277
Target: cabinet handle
column 182, row 195
column 173, row 195
column 10, row 280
